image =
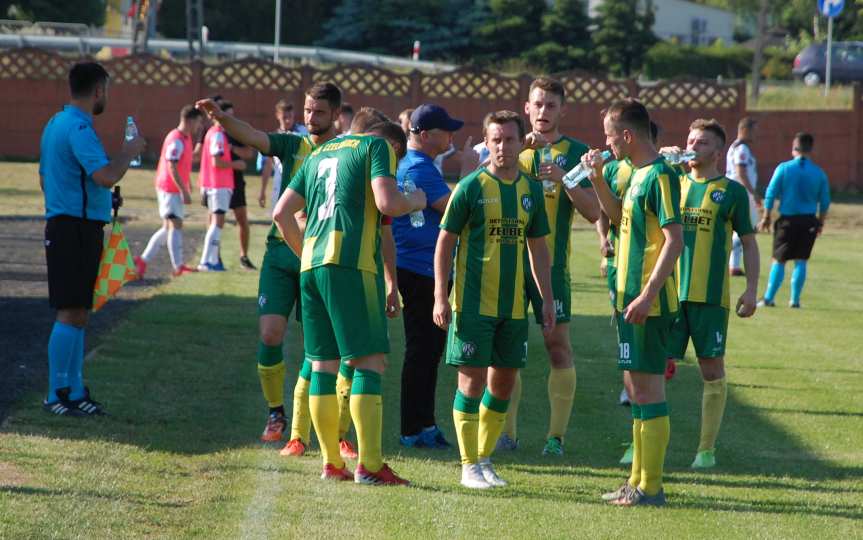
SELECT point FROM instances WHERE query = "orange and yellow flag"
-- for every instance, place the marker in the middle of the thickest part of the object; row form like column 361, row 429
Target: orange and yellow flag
column 115, row 269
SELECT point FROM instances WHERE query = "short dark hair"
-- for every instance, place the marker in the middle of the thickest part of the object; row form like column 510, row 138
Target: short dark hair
column 654, row 132
column 326, row 91
column 552, row 86
column 631, row 113
column 365, row 118
column 746, row 122
column 711, row 125
column 347, row 108
column 225, row 105
column 803, row 142
column 283, row 105
column 503, row 117
column 84, row 77
column 390, row 131
column 189, row 112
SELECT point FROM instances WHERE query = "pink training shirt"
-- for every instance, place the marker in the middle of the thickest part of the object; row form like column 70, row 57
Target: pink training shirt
column 177, row 148
column 216, row 144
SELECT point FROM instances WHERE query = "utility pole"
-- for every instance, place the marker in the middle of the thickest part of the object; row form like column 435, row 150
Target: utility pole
column 194, row 23
column 758, row 59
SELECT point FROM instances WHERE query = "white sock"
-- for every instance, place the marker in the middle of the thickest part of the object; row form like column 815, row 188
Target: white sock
column 216, row 241
column 736, row 252
column 208, row 244
column 175, row 247
column 156, row 242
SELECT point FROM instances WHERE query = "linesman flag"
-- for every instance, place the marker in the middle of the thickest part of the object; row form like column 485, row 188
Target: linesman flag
column 115, row 269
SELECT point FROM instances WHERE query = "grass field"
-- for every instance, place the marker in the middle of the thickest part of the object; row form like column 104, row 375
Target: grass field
column 179, row 456
column 796, row 96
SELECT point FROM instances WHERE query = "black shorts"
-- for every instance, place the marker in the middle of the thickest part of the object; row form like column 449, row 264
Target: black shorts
column 238, row 196
column 73, row 249
column 794, row 236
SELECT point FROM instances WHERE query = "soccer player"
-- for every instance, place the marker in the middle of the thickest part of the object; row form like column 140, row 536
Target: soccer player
column 546, row 106
column 649, row 244
column 217, row 183
column 712, row 206
column 345, row 119
column 740, row 166
column 173, row 190
column 345, row 186
column 238, row 194
column 493, row 214
column 272, row 167
column 278, row 286
column 802, row 188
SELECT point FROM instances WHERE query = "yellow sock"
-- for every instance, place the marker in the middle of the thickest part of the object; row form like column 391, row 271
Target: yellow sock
column 367, row 413
column 465, row 415
column 492, row 415
column 273, row 383
column 655, row 433
column 301, row 419
column 511, row 424
column 712, row 409
column 324, row 409
column 635, row 471
column 561, row 395
column 343, row 390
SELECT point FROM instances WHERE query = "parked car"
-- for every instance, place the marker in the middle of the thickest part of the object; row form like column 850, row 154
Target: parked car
column 847, row 65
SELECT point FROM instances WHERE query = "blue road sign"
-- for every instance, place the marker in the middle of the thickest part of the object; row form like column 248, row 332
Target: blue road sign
column 830, row 8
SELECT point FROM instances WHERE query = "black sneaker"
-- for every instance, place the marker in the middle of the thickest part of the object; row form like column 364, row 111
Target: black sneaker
column 247, row 264
column 87, row 406
column 62, row 407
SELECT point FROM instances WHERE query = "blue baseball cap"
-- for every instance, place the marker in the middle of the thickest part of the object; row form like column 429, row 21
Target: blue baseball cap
column 428, row 116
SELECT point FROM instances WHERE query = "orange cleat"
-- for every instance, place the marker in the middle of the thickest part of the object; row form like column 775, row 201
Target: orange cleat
column 140, row 266
column 346, row 449
column 331, row 472
column 294, row 448
column 384, row 477
column 275, row 427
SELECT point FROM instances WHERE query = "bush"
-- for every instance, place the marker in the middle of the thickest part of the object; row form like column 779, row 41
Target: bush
column 666, row 60
column 778, row 63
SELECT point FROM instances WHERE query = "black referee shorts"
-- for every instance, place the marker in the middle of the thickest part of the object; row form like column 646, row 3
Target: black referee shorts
column 238, row 196
column 794, row 236
column 73, row 249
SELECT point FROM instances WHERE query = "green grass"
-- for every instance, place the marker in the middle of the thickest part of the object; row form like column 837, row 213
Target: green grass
column 179, row 458
column 796, row 96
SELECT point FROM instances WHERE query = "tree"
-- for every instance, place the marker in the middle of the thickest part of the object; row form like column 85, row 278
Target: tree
column 566, row 38
column 90, row 12
column 512, row 27
column 623, row 36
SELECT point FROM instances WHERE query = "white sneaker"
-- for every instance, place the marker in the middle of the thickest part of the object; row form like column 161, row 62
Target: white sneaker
column 472, row 477
column 488, row 473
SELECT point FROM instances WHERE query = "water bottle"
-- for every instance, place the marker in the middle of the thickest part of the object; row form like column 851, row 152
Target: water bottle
column 417, row 218
column 545, row 157
column 676, row 158
column 581, row 171
column 131, row 133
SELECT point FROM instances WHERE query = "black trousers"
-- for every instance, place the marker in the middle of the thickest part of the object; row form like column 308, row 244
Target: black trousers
column 424, row 345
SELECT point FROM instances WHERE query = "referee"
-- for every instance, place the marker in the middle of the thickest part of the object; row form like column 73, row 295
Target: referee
column 802, row 188
column 76, row 176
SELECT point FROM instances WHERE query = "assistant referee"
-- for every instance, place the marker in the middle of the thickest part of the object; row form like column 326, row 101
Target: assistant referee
column 76, row 176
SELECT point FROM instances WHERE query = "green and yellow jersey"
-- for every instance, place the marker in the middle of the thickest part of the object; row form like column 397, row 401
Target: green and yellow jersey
column 616, row 174
column 343, row 223
column 651, row 201
column 292, row 150
column 711, row 209
column 493, row 217
column 566, row 152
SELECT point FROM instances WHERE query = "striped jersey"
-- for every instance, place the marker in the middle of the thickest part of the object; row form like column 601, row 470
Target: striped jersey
column 616, row 174
column 650, row 202
column 343, row 223
column 493, row 217
column 711, row 209
column 291, row 150
column 566, row 152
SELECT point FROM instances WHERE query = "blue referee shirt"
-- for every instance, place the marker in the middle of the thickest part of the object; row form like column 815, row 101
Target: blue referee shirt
column 415, row 245
column 70, row 153
column 801, row 187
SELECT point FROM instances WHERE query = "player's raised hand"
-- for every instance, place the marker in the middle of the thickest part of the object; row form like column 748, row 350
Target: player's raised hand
column 135, row 146
column 442, row 313
column 534, row 140
column 593, row 160
column 417, row 199
column 210, row 108
column 469, row 157
column 747, row 303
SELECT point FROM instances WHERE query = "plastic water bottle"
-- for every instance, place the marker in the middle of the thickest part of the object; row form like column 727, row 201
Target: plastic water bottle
column 676, row 158
column 580, row 172
column 131, row 133
column 545, row 157
column 417, row 218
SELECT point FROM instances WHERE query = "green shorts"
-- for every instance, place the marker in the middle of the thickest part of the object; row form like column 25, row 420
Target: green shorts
column 480, row 341
column 706, row 324
column 643, row 347
column 561, row 288
column 611, row 275
column 344, row 313
column 279, row 283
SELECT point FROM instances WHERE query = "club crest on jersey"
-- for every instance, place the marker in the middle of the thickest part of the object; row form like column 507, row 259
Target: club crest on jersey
column 468, row 349
column 526, row 203
column 717, row 196
column 560, row 161
column 262, row 300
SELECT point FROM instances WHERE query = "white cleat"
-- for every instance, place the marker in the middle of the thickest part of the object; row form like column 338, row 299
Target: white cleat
column 472, row 477
column 488, row 473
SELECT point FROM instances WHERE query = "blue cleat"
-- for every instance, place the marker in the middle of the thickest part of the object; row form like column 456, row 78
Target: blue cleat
column 218, row 267
column 433, row 437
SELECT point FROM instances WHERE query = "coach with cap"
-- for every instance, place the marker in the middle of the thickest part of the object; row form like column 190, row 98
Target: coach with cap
column 431, row 132
column 76, row 176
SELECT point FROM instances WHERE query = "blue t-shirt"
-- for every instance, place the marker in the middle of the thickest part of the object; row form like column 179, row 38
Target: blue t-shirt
column 801, row 187
column 415, row 246
column 70, row 153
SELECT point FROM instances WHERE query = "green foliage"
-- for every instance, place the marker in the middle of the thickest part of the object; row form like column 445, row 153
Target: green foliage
column 90, row 12
column 512, row 27
column 666, row 60
column 566, row 37
column 623, row 36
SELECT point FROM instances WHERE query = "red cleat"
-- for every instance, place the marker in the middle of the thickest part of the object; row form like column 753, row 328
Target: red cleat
column 331, row 472
column 346, row 449
column 140, row 266
column 670, row 369
column 183, row 269
column 294, row 448
column 384, row 477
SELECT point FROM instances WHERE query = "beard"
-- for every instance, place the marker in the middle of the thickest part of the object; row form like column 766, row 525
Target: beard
column 99, row 107
column 319, row 130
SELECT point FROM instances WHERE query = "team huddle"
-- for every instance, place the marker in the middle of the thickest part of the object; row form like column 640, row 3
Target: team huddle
column 665, row 230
